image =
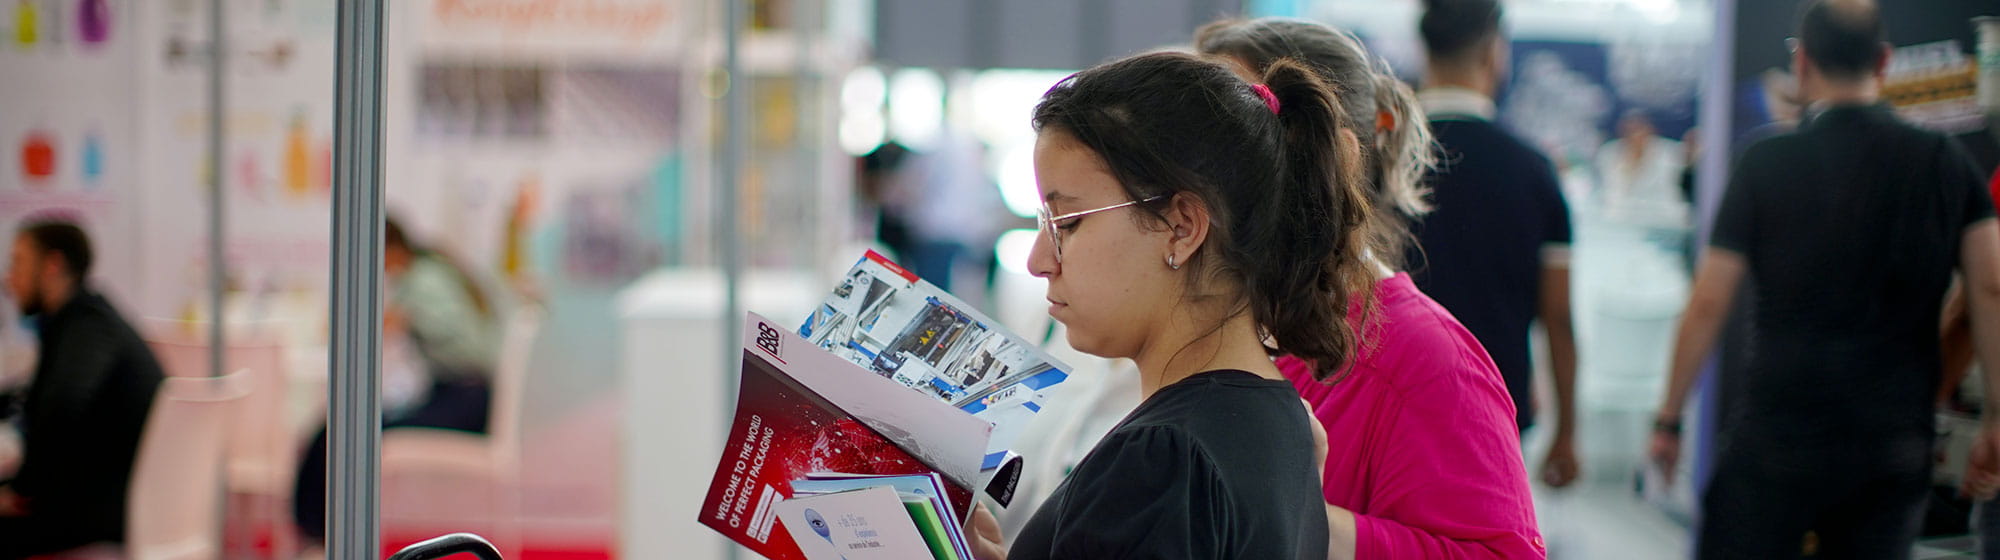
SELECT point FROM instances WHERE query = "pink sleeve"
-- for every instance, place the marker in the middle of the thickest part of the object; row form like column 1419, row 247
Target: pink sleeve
column 1450, row 482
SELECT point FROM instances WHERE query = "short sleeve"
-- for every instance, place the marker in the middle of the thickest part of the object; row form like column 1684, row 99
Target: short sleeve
column 1145, row 493
column 1556, row 228
column 1734, row 221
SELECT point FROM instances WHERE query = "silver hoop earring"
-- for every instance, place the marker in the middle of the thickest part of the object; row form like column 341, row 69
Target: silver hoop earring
column 1171, row 264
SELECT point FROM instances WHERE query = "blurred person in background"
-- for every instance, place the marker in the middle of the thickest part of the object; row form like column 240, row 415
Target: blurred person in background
column 1639, row 176
column 1779, row 95
column 84, row 410
column 951, row 208
column 878, row 172
column 1849, row 230
column 441, row 305
column 1495, row 251
column 1166, row 180
column 1423, row 457
column 440, row 308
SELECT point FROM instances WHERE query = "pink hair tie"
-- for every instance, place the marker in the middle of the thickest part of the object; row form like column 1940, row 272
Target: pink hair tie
column 1270, row 99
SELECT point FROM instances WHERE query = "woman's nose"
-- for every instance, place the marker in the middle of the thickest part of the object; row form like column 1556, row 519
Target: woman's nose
column 1042, row 261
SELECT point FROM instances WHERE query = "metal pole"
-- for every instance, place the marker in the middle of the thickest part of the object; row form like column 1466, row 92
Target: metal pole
column 353, row 407
column 218, row 115
column 808, row 80
column 218, row 67
column 735, row 112
column 728, row 182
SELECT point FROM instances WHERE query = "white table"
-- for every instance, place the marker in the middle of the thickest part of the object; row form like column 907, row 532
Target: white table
column 675, row 378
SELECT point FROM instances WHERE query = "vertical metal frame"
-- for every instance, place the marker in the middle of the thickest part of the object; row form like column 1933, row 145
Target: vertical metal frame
column 354, row 403
column 807, row 81
column 218, row 109
column 736, row 112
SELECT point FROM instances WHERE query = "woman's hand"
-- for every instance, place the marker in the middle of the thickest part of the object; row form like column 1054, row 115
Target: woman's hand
column 984, row 536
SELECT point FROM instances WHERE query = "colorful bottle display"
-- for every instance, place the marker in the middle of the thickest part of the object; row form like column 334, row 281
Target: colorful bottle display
column 93, row 21
column 249, row 175
column 93, row 160
column 298, row 158
column 26, row 22
column 38, row 157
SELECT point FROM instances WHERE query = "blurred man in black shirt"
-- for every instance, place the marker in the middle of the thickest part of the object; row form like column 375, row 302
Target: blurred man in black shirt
column 1495, row 251
column 84, row 410
column 1850, row 229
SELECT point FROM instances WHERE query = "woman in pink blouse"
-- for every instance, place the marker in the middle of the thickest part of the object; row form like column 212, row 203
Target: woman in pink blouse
column 1424, row 459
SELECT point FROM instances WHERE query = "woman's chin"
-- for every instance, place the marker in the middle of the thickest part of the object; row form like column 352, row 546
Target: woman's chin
column 1084, row 343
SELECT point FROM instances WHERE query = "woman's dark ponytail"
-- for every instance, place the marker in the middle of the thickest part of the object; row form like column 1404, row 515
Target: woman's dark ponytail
column 1304, row 291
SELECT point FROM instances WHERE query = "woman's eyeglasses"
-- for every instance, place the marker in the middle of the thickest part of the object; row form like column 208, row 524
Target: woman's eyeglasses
column 1054, row 233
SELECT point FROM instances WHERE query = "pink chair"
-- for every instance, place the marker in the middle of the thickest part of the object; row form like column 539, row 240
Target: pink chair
column 174, row 511
column 180, row 358
column 442, row 480
column 262, row 449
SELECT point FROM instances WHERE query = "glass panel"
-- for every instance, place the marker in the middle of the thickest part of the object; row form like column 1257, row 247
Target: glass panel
column 108, row 122
column 544, row 162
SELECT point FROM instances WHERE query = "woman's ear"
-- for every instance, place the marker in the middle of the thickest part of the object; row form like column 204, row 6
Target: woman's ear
column 1187, row 225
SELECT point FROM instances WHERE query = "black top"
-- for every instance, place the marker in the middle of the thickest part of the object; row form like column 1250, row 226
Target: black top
column 1851, row 229
column 93, row 387
column 1480, row 252
column 1219, row 465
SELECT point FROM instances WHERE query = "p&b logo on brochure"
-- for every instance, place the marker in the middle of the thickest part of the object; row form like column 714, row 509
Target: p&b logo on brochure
column 768, row 341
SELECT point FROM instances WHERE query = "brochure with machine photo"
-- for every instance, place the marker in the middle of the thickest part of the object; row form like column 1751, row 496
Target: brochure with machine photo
column 885, row 319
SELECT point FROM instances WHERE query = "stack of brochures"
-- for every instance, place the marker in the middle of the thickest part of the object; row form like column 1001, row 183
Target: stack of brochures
column 894, row 398
column 833, row 498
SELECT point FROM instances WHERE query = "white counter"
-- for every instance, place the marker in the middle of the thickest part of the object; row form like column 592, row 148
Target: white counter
column 678, row 391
